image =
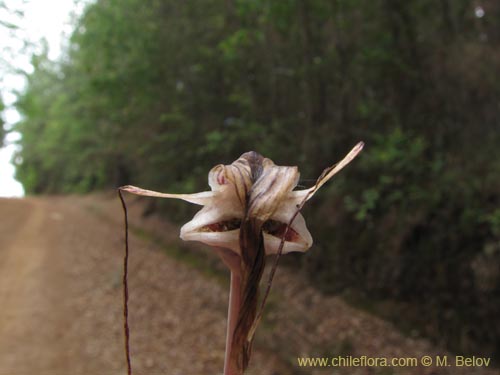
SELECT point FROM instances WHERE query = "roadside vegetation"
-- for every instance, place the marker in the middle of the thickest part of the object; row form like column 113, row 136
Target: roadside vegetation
column 156, row 94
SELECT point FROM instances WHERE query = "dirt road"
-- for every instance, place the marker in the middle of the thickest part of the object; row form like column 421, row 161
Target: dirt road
column 61, row 304
column 61, row 301
column 51, row 273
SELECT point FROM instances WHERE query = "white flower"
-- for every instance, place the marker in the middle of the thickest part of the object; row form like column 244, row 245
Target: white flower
column 252, row 211
column 252, row 187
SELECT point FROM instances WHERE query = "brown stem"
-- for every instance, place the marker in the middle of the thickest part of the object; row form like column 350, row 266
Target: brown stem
column 125, row 287
column 233, row 262
column 230, row 367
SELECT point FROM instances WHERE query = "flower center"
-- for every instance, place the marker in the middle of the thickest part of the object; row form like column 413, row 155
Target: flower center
column 272, row 227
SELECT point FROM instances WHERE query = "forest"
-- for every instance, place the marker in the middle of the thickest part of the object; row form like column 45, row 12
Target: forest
column 156, row 93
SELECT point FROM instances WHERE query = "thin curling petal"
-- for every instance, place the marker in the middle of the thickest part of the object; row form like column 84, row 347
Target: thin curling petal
column 328, row 173
column 204, row 198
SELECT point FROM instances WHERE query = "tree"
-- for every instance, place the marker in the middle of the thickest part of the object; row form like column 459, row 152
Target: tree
column 157, row 94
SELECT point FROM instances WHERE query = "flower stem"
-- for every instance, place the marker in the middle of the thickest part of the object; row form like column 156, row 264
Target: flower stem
column 230, row 368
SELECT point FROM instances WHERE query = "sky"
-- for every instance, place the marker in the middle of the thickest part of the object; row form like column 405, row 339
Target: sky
column 51, row 20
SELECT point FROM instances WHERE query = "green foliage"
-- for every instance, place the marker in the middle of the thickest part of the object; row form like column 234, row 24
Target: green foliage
column 397, row 159
column 421, row 230
column 493, row 219
column 157, row 93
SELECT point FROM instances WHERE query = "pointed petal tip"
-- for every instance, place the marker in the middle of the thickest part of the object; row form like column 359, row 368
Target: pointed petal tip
column 134, row 190
column 128, row 188
column 357, row 149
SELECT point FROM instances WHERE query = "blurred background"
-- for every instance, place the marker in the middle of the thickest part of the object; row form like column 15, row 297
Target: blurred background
column 156, row 93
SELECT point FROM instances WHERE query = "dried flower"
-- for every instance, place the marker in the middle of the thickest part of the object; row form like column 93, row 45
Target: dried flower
column 252, row 211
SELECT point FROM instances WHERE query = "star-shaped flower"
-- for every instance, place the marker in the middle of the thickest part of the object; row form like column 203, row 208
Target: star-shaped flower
column 252, row 187
column 251, row 211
